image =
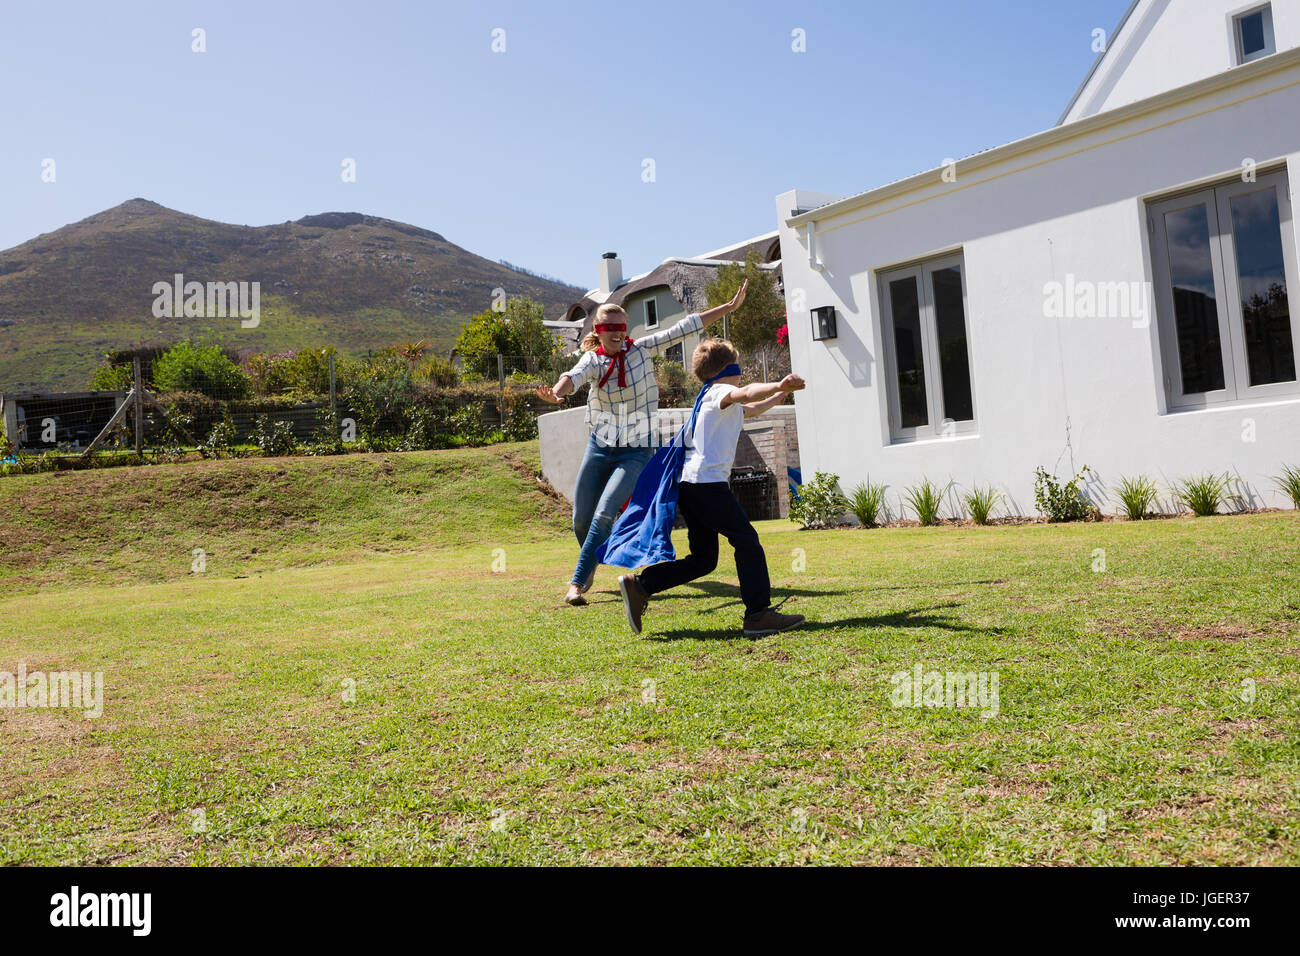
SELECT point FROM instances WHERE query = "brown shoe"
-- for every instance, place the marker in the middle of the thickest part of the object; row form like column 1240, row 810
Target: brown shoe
column 769, row 622
column 634, row 600
column 574, row 596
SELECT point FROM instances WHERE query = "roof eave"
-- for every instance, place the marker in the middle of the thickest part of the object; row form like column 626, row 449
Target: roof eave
column 1274, row 63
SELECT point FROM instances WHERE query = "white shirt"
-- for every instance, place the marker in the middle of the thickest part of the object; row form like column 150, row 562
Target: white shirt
column 711, row 452
column 640, row 397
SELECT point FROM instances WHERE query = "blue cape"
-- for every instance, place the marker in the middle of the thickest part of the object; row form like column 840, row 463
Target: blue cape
column 643, row 533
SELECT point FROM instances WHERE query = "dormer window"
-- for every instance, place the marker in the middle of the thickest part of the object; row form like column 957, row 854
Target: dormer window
column 1253, row 33
column 651, row 314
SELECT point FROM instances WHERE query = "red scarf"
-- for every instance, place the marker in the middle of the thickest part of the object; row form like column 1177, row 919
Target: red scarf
column 618, row 363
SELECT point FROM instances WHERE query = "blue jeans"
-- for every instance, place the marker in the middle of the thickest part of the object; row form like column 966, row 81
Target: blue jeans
column 605, row 480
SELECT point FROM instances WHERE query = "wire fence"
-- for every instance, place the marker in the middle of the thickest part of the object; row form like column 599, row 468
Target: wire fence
column 308, row 402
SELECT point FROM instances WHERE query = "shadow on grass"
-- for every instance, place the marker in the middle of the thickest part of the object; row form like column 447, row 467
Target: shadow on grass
column 912, row 618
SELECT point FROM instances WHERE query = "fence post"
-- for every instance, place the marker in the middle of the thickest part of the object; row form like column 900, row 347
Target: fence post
column 765, row 378
column 501, row 385
column 333, row 403
column 139, row 405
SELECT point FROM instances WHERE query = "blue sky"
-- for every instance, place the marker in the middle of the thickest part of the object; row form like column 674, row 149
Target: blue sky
column 535, row 154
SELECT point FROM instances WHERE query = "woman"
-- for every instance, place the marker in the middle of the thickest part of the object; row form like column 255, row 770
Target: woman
column 625, row 398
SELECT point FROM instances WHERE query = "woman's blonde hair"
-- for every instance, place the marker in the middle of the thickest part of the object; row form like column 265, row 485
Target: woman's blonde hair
column 591, row 340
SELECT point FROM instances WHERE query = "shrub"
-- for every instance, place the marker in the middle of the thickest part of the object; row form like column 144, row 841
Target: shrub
column 518, row 330
column 301, row 373
column 926, row 499
column 673, row 381
column 467, row 422
column 274, row 438
column 867, row 502
column 112, row 378
column 818, row 503
column 428, row 429
column 1289, row 482
column 204, row 369
column 1137, row 495
column 521, row 425
column 438, row 371
column 1059, row 502
column 980, row 501
column 220, row 440
column 329, row 439
column 382, row 393
column 1202, row 494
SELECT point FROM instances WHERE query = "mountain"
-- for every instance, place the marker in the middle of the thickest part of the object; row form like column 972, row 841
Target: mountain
column 345, row 279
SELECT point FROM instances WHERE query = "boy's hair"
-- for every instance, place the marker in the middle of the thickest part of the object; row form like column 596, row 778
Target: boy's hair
column 711, row 356
column 591, row 339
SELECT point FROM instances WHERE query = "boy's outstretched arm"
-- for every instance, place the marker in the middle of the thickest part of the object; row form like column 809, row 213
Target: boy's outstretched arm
column 754, row 409
column 761, row 391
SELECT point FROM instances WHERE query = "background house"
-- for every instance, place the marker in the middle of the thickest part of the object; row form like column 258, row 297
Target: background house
column 1110, row 292
column 667, row 293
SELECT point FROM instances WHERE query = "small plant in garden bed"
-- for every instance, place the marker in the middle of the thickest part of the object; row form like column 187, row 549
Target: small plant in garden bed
column 818, row 503
column 925, row 500
column 867, row 502
column 1138, row 495
column 980, row 501
column 1289, row 482
column 220, row 440
column 1059, row 502
column 1203, row 493
column 274, row 438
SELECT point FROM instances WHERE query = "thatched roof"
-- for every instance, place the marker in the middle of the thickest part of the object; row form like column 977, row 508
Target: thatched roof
column 685, row 279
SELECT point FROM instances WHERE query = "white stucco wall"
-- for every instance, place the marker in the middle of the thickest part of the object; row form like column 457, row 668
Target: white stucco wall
column 1170, row 43
column 1074, row 206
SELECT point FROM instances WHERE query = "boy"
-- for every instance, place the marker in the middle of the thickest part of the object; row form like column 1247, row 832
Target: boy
column 705, row 501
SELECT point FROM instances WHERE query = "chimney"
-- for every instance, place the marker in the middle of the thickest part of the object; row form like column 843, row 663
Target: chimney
column 609, row 272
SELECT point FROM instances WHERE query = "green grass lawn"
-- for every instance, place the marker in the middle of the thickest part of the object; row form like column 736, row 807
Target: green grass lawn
column 1147, row 713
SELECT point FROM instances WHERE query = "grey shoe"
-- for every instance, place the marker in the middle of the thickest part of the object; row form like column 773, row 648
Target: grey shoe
column 769, row 622
column 635, row 600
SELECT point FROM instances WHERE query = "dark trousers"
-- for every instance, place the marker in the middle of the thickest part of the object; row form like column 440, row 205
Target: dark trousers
column 710, row 509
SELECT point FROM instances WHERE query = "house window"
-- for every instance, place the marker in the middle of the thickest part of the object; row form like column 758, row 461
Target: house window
column 927, row 355
column 1252, row 33
column 651, row 313
column 674, row 353
column 1224, row 259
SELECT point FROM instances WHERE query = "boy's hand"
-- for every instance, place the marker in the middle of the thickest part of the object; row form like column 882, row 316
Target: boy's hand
column 791, row 383
column 547, row 393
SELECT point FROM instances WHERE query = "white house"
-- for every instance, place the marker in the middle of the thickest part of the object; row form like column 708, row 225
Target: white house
column 1110, row 292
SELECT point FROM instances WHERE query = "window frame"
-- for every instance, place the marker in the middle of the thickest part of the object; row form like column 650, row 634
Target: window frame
column 922, row 273
column 651, row 304
column 1216, row 198
column 1240, row 57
